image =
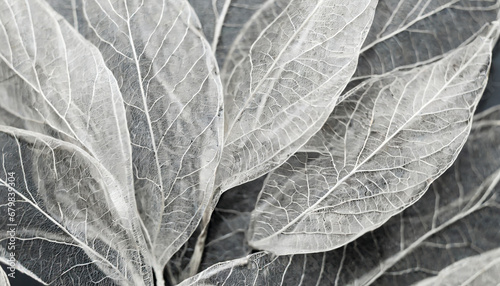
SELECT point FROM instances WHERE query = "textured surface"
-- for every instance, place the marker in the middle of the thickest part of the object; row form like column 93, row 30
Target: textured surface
column 74, row 202
column 383, row 146
column 70, row 142
column 70, row 216
column 4, row 280
column 281, row 93
column 404, row 33
column 173, row 100
column 259, row 21
column 455, row 219
column 482, row 269
column 222, row 20
column 411, row 32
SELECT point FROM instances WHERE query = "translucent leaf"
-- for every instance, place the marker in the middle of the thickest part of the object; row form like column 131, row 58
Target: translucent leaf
column 4, row 280
column 404, row 33
column 54, row 82
column 384, row 145
column 482, row 269
column 457, row 218
column 55, row 85
column 173, row 101
column 411, row 33
column 280, row 94
column 61, row 202
column 221, row 21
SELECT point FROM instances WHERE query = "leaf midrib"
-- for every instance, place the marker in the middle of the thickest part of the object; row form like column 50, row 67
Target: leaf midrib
column 387, row 140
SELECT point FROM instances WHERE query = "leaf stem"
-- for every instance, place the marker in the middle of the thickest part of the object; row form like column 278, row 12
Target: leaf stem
column 195, row 260
column 160, row 281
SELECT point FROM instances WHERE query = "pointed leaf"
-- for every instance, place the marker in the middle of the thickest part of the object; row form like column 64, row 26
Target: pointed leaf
column 62, row 202
column 280, row 94
column 385, row 144
column 174, row 109
column 410, row 33
column 54, row 82
column 457, row 218
column 482, row 269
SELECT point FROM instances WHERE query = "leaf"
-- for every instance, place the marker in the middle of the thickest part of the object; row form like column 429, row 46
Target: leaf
column 384, row 145
column 63, row 89
column 250, row 32
column 409, row 32
column 455, row 219
column 174, row 110
column 61, row 85
column 221, row 21
column 481, row 269
column 62, row 202
column 4, row 280
column 404, row 33
column 280, row 94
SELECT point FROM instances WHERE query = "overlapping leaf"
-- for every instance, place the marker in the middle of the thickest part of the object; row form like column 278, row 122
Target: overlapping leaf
column 383, row 147
column 69, row 209
column 410, row 33
column 280, row 94
column 404, row 33
column 68, row 144
column 482, row 269
column 174, row 109
column 454, row 220
column 54, row 82
column 73, row 198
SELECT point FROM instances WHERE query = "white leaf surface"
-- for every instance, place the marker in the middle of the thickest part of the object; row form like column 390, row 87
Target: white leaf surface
column 55, row 85
column 384, row 145
column 65, row 205
column 61, row 85
column 173, row 98
column 482, row 269
column 280, row 94
column 404, row 33
column 454, row 220
column 4, row 280
column 411, row 33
